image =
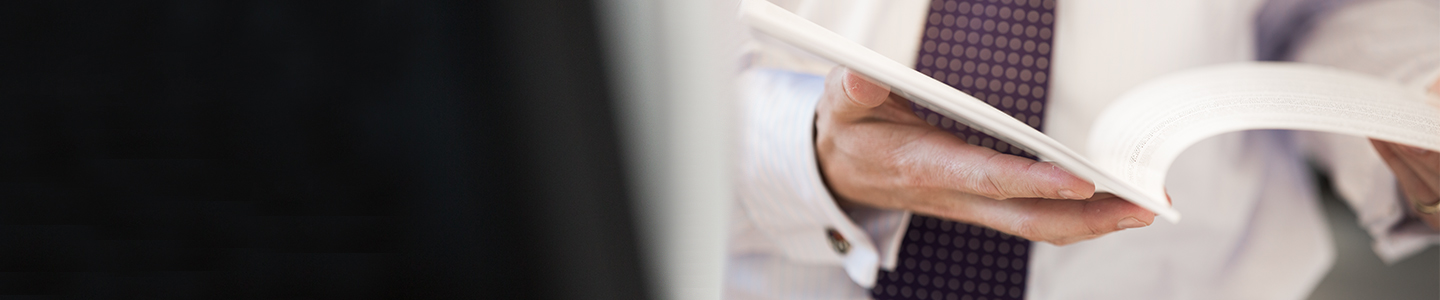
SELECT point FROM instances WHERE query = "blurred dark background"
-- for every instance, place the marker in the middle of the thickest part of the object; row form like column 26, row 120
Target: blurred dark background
column 288, row 149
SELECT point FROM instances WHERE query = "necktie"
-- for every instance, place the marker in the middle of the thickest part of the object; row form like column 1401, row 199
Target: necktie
column 997, row 51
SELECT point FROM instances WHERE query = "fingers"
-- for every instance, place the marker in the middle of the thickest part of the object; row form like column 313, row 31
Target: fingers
column 1414, row 167
column 1416, row 171
column 848, row 93
column 1010, row 176
column 937, row 159
column 981, row 171
column 1058, row 222
column 1425, row 163
column 1063, row 222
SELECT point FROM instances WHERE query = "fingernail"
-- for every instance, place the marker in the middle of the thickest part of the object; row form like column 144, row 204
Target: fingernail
column 1130, row 222
column 847, row 82
column 1069, row 194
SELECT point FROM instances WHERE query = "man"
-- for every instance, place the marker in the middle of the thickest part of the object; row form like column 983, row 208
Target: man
column 834, row 166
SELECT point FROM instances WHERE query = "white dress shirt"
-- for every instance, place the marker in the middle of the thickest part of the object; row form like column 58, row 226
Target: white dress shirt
column 1253, row 228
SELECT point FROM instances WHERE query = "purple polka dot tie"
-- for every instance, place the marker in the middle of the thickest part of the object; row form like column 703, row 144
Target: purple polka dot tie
column 999, row 52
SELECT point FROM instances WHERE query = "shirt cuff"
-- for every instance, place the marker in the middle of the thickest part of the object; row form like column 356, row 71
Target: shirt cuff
column 1366, row 184
column 885, row 227
column 781, row 188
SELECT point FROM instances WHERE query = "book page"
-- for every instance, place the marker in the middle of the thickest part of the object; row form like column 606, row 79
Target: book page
column 1140, row 135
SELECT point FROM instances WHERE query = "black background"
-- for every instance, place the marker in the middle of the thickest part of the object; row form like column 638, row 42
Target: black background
column 289, row 149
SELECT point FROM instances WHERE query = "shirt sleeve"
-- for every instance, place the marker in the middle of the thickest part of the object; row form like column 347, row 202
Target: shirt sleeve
column 1397, row 40
column 781, row 191
column 1393, row 39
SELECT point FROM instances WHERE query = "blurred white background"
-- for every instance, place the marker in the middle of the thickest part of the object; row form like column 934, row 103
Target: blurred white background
column 671, row 64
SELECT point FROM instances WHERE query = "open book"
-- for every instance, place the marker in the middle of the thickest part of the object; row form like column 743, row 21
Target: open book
column 1134, row 141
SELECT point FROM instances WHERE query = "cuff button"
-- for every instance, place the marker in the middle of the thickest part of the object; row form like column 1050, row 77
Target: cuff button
column 837, row 241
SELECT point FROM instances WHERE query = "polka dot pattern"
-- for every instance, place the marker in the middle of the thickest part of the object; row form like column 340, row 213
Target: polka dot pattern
column 999, row 52
column 995, row 50
column 950, row 260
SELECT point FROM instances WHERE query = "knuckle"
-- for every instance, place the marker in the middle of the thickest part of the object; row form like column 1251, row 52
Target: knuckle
column 911, row 175
column 1027, row 229
column 984, row 184
column 987, row 186
column 1093, row 221
column 1006, row 178
column 990, row 182
column 1091, row 229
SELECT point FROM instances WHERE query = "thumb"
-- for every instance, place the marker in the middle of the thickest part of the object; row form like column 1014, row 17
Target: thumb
column 848, row 91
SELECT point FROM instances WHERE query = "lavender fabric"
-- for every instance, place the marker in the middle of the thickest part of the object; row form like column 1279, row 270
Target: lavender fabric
column 999, row 52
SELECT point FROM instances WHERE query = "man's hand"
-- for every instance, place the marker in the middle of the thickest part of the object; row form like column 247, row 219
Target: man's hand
column 874, row 151
column 1418, row 172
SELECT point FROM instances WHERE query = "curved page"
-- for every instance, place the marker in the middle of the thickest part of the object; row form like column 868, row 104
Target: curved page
column 1140, row 135
column 923, row 90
